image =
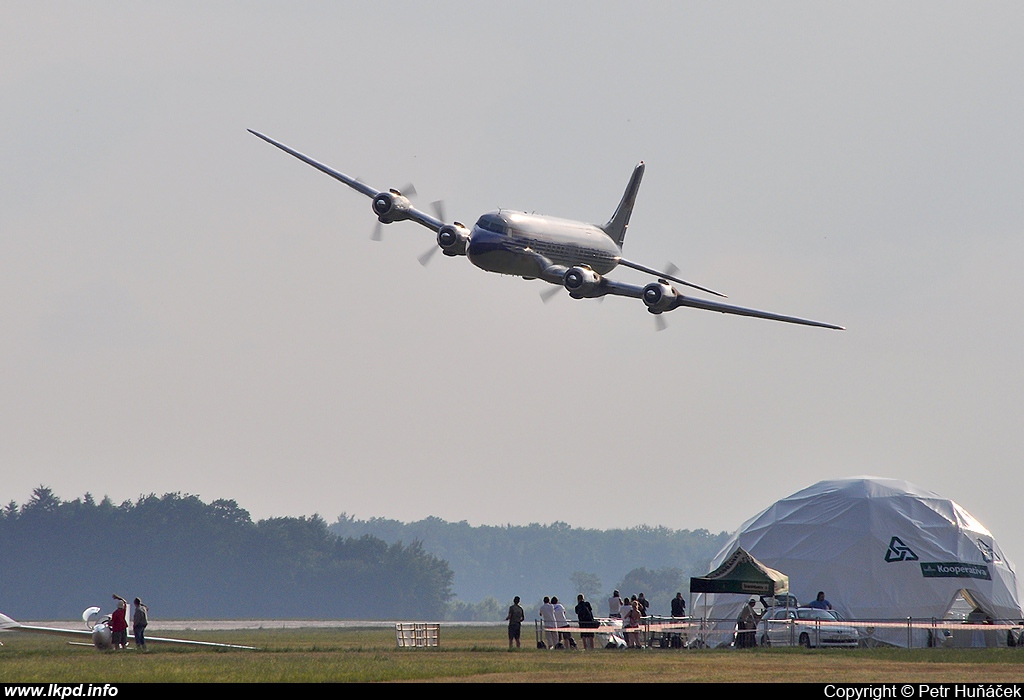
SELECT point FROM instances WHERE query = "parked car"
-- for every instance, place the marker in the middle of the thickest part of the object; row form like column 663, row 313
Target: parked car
column 808, row 627
column 782, row 600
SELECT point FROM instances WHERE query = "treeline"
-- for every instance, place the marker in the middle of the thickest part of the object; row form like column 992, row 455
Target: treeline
column 190, row 559
column 534, row 560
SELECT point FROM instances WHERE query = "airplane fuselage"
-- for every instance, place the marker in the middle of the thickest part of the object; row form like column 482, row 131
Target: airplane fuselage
column 517, row 243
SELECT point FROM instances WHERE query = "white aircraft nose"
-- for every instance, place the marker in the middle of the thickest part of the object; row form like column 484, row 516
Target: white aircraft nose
column 101, row 637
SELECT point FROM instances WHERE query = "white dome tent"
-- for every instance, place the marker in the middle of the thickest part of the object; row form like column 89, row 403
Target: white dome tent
column 881, row 549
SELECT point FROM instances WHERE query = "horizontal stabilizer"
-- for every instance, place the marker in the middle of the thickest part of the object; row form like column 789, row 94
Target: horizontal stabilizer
column 667, row 276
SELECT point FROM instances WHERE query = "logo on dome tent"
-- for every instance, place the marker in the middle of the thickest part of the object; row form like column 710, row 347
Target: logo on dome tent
column 988, row 554
column 898, row 551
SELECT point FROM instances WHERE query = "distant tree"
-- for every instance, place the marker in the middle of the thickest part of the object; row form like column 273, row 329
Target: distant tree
column 587, row 584
column 230, row 511
column 43, row 500
column 535, row 560
column 10, row 511
column 488, row 609
column 190, row 559
column 658, row 586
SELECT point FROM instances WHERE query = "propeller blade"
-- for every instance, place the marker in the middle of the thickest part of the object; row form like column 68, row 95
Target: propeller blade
column 660, row 323
column 549, row 294
column 408, row 191
column 378, row 232
column 429, row 255
column 439, row 210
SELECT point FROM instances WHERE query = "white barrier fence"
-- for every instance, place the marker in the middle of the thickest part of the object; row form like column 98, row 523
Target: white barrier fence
column 697, row 633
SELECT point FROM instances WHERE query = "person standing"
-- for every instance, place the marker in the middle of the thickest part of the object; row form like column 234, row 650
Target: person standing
column 119, row 624
column 547, row 616
column 585, row 614
column 565, row 639
column 614, row 605
column 678, row 611
column 631, row 625
column 624, row 609
column 746, row 626
column 678, row 606
column 820, row 603
column 140, row 620
column 515, row 618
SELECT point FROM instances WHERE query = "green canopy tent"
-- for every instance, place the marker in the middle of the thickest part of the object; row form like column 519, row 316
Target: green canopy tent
column 741, row 574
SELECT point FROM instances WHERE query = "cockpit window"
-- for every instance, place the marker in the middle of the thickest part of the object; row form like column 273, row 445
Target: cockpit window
column 493, row 223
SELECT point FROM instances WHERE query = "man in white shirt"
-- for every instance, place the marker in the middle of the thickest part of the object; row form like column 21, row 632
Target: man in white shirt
column 547, row 617
column 562, row 622
column 614, row 603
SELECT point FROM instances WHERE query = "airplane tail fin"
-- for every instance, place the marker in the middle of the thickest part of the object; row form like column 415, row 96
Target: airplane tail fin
column 616, row 226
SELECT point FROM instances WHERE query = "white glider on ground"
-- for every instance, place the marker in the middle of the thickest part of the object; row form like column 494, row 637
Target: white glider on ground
column 99, row 632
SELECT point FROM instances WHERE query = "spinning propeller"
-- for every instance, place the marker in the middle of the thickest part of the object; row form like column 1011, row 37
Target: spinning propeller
column 409, row 191
column 438, row 207
column 660, row 323
column 549, row 293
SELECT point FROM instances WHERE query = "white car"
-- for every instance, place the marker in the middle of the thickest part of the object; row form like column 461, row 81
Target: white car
column 808, row 627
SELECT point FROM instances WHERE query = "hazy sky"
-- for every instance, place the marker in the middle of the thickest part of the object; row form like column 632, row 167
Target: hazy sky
column 186, row 308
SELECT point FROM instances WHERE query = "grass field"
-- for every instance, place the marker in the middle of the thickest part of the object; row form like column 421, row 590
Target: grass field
column 475, row 654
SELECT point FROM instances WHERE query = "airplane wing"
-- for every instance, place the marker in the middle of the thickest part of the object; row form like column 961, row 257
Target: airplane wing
column 740, row 311
column 661, row 297
column 8, row 624
column 388, row 205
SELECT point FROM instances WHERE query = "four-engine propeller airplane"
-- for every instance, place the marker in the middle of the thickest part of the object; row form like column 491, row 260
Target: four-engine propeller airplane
column 571, row 254
column 98, row 631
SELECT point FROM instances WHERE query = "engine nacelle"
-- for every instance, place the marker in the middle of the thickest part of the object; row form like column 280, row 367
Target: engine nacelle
column 391, row 206
column 583, row 283
column 660, row 296
column 453, row 239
